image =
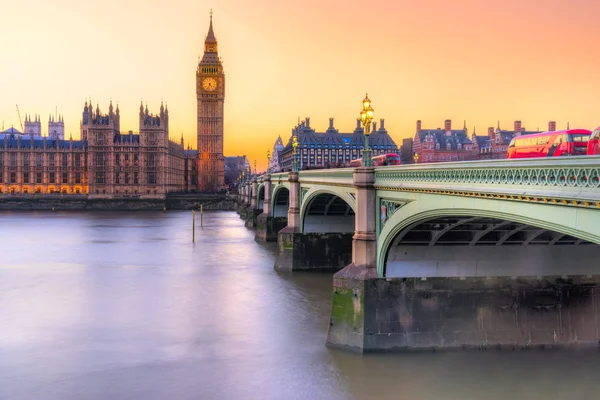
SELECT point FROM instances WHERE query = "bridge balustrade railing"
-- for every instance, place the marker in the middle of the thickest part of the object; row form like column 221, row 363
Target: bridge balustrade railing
column 569, row 177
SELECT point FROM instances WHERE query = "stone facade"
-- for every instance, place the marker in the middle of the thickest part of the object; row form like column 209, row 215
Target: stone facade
column 438, row 145
column 442, row 145
column 210, row 93
column 274, row 162
column 331, row 148
column 105, row 163
column 494, row 145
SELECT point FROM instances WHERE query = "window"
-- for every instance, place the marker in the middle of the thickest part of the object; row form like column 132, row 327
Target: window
column 77, row 160
column 64, row 160
column 126, row 181
column 99, row 178
column 135, row 178
column 51, row 159
column 65, row 177
column 26, row 160
column 151, row 178
column 25, row 177
column 78, row 177
column 13, row 177
column 100, row 159
column 117, row 179
column 117, row 158
column 38, row 177
column 38, row 159
column 13, row 160
column 52, row 177
column 579, row 137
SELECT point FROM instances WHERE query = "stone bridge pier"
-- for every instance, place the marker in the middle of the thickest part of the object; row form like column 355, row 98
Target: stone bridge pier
column 318, row 235
column 253, row 211
column 246, row 196
column 274, row 212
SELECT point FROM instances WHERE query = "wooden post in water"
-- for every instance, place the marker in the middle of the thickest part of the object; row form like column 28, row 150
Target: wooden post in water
column 200, row 215
column 193, row 226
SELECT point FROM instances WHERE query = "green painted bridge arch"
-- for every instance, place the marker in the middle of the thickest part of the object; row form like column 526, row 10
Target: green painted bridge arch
column 541, row 201
column 549, row 199
column 327, row 201
column 280, row 190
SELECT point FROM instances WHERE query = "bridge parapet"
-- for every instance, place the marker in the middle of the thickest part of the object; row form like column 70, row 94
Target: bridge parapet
column 538, row 179
column 330, row 177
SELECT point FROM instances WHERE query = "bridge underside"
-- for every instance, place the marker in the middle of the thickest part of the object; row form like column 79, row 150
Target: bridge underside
column 486, row 247
column 281, row 203
column 329, row 213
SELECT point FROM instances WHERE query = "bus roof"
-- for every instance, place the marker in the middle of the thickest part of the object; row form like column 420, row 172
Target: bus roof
column 387, row 155
column 563, row 132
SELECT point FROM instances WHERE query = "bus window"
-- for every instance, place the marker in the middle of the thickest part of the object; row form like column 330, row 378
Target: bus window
column 579, row 137
column 512, row 143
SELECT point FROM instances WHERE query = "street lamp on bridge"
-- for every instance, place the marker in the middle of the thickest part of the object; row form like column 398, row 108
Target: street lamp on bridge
column 255, row 171
column 268, row 161
column 366, row 116
column 294, row 160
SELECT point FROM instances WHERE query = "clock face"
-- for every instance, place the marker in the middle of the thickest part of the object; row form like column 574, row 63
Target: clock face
column 209, row 84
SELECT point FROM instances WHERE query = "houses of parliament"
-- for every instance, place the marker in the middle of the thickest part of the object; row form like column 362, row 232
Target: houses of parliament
column 108, row 163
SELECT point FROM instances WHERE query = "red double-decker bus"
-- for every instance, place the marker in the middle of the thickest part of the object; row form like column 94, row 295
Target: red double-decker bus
column 570, row 142
column 379, row 161
column 593, row 146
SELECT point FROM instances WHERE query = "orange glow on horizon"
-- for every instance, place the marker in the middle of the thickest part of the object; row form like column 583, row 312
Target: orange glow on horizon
column 471, row 60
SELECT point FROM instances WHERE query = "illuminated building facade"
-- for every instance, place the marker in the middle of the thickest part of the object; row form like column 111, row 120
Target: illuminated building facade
column 210, row 94
column 332, row 149
column 105, row 163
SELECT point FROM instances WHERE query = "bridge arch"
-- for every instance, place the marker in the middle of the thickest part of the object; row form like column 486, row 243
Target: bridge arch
column 261, row 196
column 326, row 211
column 280, row 201
column 486, row 225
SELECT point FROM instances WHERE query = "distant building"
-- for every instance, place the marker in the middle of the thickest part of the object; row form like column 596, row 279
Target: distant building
column 494, row 145
column 406, row 151
column 210, row 95
column 332, row 149
column 234, row 166
column 274, row 162
column 447, row 144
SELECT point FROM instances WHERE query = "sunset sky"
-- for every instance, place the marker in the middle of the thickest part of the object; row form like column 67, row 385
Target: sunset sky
column 474, row 60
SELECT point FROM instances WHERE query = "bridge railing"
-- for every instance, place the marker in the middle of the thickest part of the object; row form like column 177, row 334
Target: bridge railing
column 568, row 177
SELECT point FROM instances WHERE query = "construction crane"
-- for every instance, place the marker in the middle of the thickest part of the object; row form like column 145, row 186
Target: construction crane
column 20, row 120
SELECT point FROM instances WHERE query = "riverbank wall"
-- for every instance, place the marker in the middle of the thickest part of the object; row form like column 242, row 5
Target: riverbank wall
column 186, row 201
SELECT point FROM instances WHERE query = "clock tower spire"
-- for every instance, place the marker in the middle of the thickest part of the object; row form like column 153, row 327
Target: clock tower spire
column 210, row 94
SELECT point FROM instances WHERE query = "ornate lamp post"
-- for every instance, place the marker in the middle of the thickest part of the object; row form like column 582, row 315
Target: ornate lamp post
column 294, row 160
column 366, row 116
column 416, row 158
column 255, row 172
column 268, row 161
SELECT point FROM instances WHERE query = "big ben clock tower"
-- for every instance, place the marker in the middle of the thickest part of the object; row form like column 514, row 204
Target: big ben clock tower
column 210, row 92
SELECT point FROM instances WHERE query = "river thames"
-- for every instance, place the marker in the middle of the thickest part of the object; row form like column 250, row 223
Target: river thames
column 123, row 306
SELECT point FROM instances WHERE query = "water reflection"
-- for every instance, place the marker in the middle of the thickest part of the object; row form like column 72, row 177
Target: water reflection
column 124, row 306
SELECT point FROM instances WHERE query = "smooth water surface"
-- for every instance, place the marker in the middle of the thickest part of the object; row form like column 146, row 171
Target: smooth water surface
column 123, row 306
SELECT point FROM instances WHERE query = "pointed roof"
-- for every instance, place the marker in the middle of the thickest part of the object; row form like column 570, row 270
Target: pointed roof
column 210, row 37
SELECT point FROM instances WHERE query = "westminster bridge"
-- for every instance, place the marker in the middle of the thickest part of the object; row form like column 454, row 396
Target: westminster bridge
column 477, row 254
